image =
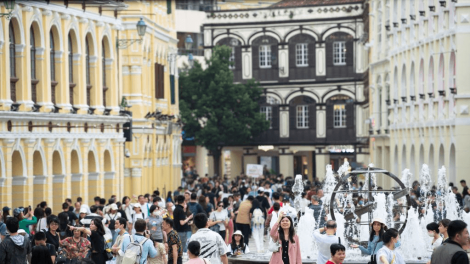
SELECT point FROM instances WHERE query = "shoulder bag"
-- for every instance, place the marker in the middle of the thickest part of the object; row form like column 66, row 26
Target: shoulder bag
column 108, row 254
column 216, row 227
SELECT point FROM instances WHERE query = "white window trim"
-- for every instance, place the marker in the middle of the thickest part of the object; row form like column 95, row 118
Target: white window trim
column 232, row 59
column 343, row 43
column 268, row 58
column 305, row 117
column 341, row 125
column 304, row 53
column 268, row 113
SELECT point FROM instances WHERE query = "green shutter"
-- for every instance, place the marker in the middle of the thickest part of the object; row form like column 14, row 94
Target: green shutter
column 172, row 89
column 168, row 6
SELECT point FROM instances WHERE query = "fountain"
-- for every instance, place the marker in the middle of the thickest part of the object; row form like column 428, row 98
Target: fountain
column 391, row 205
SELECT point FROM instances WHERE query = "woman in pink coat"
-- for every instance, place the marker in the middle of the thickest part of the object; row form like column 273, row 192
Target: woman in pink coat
column 289, row 250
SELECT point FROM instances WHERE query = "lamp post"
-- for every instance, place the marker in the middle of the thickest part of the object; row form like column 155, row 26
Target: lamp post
column 188, row 44
column 9, row 6
column 141, row 29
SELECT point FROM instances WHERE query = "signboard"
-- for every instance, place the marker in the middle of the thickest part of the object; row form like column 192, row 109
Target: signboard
column 254, row 170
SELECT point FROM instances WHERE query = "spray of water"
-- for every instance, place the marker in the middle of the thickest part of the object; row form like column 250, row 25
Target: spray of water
column 307, row 244
column 413, row 243
column 425, row 179
column 297, row 189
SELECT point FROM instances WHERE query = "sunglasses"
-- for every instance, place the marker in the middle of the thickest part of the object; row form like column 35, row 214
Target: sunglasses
column 221, row 205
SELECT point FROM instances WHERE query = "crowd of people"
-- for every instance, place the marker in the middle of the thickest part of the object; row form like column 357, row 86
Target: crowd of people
column 204, row 221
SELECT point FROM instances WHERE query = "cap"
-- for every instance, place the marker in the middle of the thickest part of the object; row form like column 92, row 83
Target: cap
column 238, row 232
column 83, row 210
column 113, row 207
column 137, row 205
column 261, row 189
column 21, row 231
column 17, row 211
column 6, row 208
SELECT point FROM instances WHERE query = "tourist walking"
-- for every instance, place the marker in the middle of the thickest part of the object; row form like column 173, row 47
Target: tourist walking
column 181, row 221
column 452, row 252
column 433, row 232
column 41, row 255
column 75, row 247
column 212, row 245
column 324, row 241
column 443, row 224
column 375, row 240
column 387, row 254
column 148, row 250
column 194, row 250
column 243, row 220
column 154, row 224
column 120, row 229
column 52, row 235
column 338, row 254
column 96, row 234
column 283, row 233
column 111, row 215
column 175, row 249
column 14, row 248
column 238, row 247
column 219, row 220
column 40, row 241
column 138, row 214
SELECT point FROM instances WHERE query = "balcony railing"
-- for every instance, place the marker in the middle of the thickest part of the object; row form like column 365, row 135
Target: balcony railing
column 195, row 52
column 196, row 7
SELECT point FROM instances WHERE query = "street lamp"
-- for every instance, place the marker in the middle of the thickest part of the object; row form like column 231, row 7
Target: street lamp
column 190, row 60
column 9, row 6
column 141, row 29
column 188, row 44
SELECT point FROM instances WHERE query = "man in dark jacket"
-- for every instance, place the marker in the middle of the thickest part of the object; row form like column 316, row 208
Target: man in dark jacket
column 452, row 251
column 14, row 248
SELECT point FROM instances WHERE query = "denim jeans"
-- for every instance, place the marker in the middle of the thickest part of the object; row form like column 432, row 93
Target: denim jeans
column 184, row 240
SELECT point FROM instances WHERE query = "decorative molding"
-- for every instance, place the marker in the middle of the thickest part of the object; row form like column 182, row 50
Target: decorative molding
column 65, row 17
column 46, row 13
column 93, row 176
column 136, row 172
column 83, row 20
column 77, row 177
column 19, row 180
column 58, row 178
column 109, row 175
column 39, row 179
column 127, row 172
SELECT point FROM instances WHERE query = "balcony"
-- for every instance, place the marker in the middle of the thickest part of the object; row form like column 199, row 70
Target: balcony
column 195, row 6
column 195, row 52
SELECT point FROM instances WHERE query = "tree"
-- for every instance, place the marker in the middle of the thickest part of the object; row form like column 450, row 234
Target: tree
column 214, row 110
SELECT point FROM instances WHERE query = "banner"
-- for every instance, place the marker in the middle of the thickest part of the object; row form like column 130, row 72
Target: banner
column 254, row 170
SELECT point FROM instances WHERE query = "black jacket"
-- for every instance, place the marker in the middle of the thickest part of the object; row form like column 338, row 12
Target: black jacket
column 12, row 253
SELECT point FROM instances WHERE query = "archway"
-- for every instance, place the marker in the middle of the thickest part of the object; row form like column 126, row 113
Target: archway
column 108, row 175
column 441, row 157
column 77, row 175
column 403, row 158
column 452, row 164
column 39, row 191
column 395, row 161
column 19, row 180
column 59, row 188
column 421, row 156
column 431, row 158
column 93, row 176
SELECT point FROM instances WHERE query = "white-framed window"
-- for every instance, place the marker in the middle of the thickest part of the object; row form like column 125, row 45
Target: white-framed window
column 265, row 56
column 339, row 115
column 302, row 116
column 232, row 59
column 339, row 53
column 301, row 54
column 268, row 113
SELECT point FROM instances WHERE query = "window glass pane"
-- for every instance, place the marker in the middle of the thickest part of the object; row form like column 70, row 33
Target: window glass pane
column 265, row 56
column 232, row 59
column 302, row 116
column 267, row 111
column 339, row 115
column 33, row 54
column 339, row 53
column 301, row 54
column 70, row 60
column 52, row 57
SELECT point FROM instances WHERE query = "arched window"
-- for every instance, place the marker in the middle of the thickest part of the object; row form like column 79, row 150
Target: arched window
column 421, row 80
column 34, row 81
column 395, row 85
column 87, row 66
column 52, row 68
column 270, row 110
column 13, row 78
column 70, row 66
column 412, row 82
column 403, row 84
column 379, row 27
column 103, row 67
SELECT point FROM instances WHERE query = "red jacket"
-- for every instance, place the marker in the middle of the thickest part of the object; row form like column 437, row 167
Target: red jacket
column 294, row 249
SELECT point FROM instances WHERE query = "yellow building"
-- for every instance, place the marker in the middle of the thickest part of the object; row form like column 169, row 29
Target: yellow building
column 63, row 74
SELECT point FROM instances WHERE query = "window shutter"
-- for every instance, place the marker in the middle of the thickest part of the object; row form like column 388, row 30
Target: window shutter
column 168, row 6
column 350, row 115
column 329, row 53
column 349, row 53
column 329, row 116
column 275, row 53
column 275, row 121
column 311, row 56
column 172, row 89
column 255, row 56
column 162, row 81
column 292, row 55
column 312, row 116
column 292, row 117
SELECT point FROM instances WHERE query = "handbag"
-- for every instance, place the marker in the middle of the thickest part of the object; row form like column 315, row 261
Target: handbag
column 216, row 227
column 107, row 251
column 273, row 246
column 373, row 257
column 61, row 257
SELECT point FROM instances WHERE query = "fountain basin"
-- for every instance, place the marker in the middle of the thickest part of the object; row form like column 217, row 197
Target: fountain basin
column 264, row 259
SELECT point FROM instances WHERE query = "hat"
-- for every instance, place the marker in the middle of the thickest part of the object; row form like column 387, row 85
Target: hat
column 17, row 211
column 238, row 232
column 83, row 210
column 137, row 205
column 21, row 231
column 6, row 208
column 380, row 220
column 261, row 189
column 113, row 207
column 187, row 192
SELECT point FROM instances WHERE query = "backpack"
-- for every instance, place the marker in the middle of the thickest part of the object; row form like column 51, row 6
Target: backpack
column 258, row 216
column 133, row 251
column 194, row 208
column 112, row 222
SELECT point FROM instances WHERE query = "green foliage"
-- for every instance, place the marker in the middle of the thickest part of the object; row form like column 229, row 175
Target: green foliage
column 216, row 111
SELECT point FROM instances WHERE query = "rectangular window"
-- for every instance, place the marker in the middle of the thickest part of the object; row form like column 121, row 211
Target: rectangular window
column 172, row 89
column 302, row 116
column 301, row 54
column 168, row 6
column 339, row 53
column 159, row 81
column 268, row 113
column 265, row 56
column 232, row 59
column 339, row 115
